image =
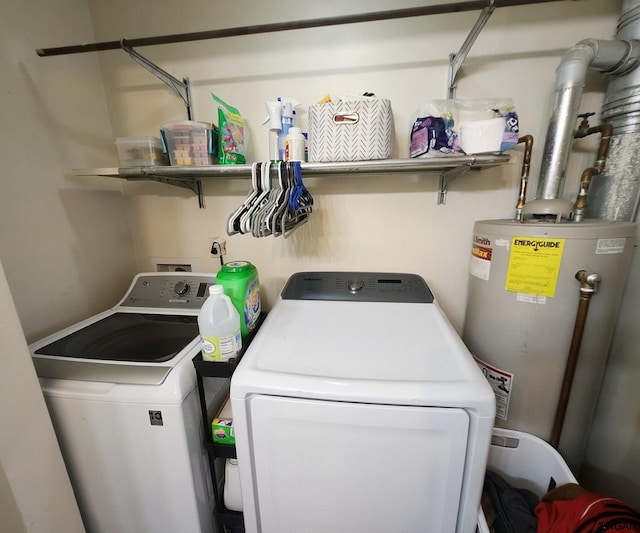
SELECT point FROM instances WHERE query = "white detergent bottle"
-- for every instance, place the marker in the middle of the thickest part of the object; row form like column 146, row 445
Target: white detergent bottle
column 219, row 325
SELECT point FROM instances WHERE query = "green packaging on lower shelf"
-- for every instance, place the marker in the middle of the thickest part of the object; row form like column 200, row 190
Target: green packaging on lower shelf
column 222, row 426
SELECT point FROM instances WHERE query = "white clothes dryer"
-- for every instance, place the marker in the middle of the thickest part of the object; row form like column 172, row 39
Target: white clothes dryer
column 358, row 408
column 121, row 391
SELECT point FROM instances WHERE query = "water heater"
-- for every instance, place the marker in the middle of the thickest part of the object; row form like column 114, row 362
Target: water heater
column 521, row 309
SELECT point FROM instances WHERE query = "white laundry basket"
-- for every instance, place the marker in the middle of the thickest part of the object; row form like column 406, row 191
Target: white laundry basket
column 526, row 462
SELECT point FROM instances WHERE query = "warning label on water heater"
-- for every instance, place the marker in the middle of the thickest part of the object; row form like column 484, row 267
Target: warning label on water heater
column 534, row 264
column 501, row 382
column 481, row 252
column 610, row 246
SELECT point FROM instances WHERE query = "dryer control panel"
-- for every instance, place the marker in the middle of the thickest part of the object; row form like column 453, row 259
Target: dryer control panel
column 358, row 287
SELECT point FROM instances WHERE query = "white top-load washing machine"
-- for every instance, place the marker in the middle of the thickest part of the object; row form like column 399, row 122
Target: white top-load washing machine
column 121, row 391
column 358, row 408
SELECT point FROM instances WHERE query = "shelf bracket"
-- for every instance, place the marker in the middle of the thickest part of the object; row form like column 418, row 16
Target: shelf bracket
column 181, row 88
column 456, row 60
column 447, row 177
column 194, row 185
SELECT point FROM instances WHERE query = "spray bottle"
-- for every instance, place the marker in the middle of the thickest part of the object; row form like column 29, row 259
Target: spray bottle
column 288, row 112
column 274, row 109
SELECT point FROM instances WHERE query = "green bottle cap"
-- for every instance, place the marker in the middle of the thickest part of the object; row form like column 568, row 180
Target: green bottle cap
column 236, row 266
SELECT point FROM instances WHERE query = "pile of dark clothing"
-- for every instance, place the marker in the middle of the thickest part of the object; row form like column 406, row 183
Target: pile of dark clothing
column 565, row 509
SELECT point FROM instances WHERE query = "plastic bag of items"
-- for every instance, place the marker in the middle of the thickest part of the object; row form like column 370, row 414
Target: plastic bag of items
column 463, row 126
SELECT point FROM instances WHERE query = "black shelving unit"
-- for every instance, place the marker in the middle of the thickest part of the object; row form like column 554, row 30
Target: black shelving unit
column 227, row 521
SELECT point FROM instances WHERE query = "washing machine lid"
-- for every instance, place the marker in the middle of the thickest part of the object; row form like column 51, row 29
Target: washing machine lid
column 140, row 341
column 132, row 337
column 391, row 352
column 127, row 347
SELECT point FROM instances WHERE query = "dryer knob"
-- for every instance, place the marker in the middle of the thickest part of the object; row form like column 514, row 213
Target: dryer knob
column 354, row 285
column 181, row 288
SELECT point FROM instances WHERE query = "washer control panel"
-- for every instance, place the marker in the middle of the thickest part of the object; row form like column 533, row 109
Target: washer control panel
column 179, row 290
column 357, row 287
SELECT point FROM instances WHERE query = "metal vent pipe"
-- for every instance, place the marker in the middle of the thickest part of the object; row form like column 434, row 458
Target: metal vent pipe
column 615, row 194
column 613, row 57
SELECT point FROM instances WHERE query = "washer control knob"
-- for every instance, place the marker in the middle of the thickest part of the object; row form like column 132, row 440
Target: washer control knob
column 181, row 288
column 355, row 285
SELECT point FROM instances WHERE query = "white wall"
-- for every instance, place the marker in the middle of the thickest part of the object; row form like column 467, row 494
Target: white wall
column 389, row 223
column 35, row 492
column 65, row 244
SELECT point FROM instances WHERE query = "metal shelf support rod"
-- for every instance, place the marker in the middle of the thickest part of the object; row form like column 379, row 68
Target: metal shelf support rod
column 181, row 88
column 456, row 60
column 447, row 177
column 438, row 9
column 194, row 185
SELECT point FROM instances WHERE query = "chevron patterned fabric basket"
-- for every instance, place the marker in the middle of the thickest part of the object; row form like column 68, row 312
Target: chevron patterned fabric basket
column 357, row 130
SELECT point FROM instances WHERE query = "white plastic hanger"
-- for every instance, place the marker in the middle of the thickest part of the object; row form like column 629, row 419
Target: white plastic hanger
column 265, row 187
column 233, row 223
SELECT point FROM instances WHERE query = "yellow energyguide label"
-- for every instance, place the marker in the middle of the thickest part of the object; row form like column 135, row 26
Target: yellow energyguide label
column 534, row 264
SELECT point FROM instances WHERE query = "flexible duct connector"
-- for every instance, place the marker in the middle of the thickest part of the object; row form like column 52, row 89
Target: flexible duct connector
column 612, row 57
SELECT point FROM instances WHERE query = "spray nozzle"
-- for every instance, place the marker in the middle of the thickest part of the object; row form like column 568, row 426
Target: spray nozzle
column 283, row 107
column 288, row 106
column 274, row 117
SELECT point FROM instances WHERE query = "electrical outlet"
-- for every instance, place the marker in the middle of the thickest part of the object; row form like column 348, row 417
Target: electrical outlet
column 174, row 267
column 217, row 246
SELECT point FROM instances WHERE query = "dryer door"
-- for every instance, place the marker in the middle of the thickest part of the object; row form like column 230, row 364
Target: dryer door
column 338, row 466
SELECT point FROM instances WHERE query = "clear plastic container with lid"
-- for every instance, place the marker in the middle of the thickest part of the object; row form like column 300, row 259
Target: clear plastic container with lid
column 140, row 151
column 189, row 143
column 219, row 325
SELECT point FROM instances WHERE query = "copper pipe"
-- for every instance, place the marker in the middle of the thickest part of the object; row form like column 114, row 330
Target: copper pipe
column 581, row 200
column 588, row 286
column 524, row 175
column 606, row 131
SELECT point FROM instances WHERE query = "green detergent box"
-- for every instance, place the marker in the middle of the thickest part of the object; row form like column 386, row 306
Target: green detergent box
column 222, row 430
column 222, row 426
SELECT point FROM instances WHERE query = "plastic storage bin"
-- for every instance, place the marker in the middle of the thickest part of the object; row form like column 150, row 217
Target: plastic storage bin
column 481, row 136
column 526, row 462
column 352, row 130
column 140, row 151
column 189, row 143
